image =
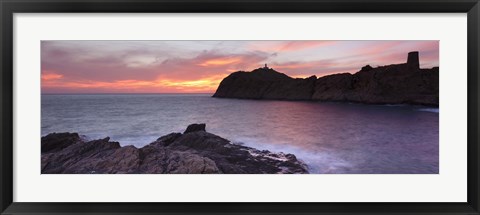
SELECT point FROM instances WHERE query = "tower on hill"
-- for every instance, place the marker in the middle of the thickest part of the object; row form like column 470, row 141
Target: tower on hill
column 413, row 62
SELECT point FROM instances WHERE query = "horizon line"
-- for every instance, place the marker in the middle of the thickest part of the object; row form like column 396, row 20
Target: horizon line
column 113, row 93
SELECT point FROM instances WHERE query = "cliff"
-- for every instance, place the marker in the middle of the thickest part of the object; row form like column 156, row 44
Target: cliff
column 193, row 152
column 265, row 83
column 403, row 83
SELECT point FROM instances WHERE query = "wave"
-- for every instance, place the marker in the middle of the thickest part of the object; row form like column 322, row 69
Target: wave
column 432, row 110
column 318, row 161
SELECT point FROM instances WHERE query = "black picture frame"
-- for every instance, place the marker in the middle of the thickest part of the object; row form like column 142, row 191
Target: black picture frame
column 9, row 7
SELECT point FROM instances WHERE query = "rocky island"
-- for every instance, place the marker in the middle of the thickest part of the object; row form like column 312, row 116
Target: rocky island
column 405, row 83
column 194, row 151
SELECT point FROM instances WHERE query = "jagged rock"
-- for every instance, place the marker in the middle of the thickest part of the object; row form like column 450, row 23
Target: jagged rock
column 393, row 84
column 58, row 141
column 194, row 152
column 168, row 139
column 366, row 68
column 71, row 158
column 194, row 128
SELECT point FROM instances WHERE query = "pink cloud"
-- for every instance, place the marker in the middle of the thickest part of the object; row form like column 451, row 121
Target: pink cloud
column 201, row 73
column 286, row 46
column 318, row 68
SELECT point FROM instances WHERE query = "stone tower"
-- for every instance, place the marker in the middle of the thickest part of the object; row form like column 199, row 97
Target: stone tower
column 413, row 62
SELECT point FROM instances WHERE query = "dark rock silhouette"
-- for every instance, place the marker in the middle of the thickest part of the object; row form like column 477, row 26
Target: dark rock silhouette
column 56, row 142
column 265, row 83
column 194, row 152
column 195, row 127
column 392, row 84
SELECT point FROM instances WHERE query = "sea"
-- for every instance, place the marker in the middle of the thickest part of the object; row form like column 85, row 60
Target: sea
column 330, row 137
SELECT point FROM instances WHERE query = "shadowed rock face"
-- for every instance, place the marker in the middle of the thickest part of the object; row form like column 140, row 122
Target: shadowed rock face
column 265, row 83
column 393, row 84
column 193, row 152
column 55, row 142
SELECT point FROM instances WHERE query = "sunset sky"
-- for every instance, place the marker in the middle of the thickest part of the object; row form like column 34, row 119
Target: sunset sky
column 199, row 66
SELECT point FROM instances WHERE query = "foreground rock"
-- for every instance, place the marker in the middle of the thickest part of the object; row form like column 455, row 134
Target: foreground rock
column 194, row 152
column 393, row 84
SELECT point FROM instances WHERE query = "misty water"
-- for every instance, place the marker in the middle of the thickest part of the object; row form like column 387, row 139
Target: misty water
column 329, row 137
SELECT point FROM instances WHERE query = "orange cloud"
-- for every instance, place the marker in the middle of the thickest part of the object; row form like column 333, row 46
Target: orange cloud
column 161, row 85
column 220, row 61
column 51, row 76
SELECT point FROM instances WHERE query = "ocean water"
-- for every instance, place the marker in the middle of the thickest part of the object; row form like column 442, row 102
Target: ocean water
column 329, row 137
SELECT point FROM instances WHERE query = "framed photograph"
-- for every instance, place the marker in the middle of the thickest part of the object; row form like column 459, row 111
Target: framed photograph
column 239, row 107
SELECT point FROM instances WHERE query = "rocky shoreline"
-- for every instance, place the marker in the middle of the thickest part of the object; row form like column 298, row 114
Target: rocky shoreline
column 405, row 83
column 194, row 151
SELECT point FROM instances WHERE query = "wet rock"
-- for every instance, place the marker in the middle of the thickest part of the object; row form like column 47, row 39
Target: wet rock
column 168, row 139
column 194, row 152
